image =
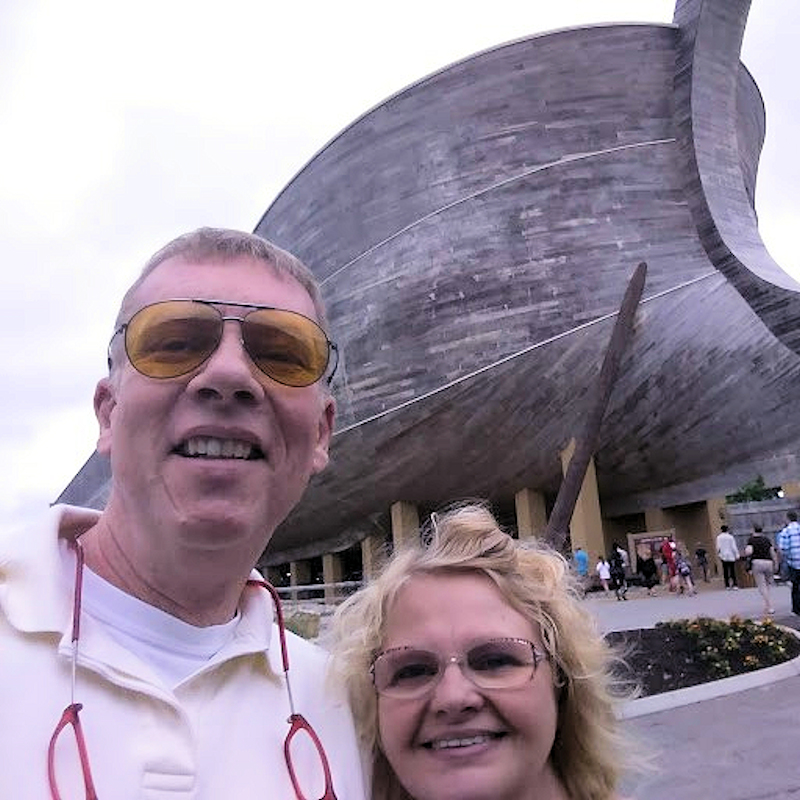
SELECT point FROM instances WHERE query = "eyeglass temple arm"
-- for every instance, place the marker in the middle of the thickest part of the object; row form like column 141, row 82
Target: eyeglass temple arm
column 335, row 350
column 76, row 611
column 282, row 634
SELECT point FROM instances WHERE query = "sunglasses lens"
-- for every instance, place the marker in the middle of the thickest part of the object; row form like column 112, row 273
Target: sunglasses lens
column 405, row 672
column 165, row 340
column 290, row 348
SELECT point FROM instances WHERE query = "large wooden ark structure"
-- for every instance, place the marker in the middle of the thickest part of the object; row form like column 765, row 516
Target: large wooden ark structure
column 474, row 235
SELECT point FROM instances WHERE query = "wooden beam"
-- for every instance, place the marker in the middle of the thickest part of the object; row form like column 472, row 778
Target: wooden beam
column 586, row 443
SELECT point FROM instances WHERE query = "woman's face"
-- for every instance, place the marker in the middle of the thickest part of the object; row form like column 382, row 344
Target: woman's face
column 460, row 742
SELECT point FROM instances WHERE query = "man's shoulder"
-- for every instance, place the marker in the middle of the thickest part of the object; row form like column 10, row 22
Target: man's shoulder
column 792, row 529
column 307, row 660
column 305, row 652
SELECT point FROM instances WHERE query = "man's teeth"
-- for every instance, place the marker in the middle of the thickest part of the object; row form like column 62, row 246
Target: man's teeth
column 218, row 448
column 444, row 744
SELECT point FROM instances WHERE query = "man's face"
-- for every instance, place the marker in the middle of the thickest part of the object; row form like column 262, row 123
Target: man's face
column 153, row 428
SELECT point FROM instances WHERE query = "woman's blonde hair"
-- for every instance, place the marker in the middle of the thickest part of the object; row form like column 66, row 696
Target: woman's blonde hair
column 587, row 753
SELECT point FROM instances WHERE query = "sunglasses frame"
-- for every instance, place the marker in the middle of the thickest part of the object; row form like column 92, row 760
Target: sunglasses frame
column 462, row 661
column 333, row 349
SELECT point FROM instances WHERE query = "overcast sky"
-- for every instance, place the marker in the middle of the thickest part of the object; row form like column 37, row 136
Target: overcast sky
column 123, row 125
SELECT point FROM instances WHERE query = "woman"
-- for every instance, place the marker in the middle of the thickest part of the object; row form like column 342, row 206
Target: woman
column 603, row 570
column 763, row 564
column 475, row 672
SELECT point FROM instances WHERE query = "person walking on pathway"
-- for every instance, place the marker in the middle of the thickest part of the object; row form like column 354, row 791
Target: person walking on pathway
column 617, row 569
column 684, row 573
column 581, row 560
column 603, row 570
column 763, row 563
column 728, row 554
column 789, row 546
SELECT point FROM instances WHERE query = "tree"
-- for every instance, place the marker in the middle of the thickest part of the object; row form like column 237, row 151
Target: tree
column 753, row 492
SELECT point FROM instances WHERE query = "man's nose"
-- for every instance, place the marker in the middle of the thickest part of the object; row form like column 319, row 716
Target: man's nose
column 229, row 373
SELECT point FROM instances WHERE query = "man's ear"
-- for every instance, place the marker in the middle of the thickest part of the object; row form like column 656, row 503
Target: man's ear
column 324, row 433
column 104, row 404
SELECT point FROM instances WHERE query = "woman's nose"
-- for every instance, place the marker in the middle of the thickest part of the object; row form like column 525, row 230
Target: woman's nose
column 455, row 692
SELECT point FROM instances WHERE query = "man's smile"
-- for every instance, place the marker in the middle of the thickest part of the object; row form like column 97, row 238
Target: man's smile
column 212, row 447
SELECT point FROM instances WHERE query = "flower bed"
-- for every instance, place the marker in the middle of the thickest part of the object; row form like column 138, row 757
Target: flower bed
column 687, row 652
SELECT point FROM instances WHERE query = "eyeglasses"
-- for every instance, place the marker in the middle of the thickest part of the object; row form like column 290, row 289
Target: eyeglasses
column 408, row 673
column 173, row 337
column 70, row 717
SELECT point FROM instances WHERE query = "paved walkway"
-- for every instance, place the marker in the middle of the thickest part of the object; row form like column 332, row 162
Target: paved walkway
column 742, row 746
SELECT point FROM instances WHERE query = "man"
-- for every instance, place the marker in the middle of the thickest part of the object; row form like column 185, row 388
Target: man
column 728, row 554
column 581, row 563
column 581, row 560
column 214, row 415
column 789, row 546
column 668, row 548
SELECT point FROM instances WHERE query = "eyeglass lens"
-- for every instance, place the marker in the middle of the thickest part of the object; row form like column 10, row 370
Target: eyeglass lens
column 174, row 337
column 494, row 664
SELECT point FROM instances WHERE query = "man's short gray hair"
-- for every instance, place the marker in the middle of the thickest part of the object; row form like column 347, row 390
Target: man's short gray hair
column 206, row 244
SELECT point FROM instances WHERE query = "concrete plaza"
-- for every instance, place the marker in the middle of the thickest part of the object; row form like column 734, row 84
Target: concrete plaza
column 739, row 746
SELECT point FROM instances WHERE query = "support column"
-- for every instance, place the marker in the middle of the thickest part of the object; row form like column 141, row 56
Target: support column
column 405, row 523
column 332, row 572
column 299, row 575
column 656, row 520
column 716, row 515
column 791, row 489
column 373, row 555
column 275, row 575
column 586, row 525
column 531, row 514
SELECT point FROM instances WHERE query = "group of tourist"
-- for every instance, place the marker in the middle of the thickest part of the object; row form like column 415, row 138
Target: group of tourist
column 669, row 564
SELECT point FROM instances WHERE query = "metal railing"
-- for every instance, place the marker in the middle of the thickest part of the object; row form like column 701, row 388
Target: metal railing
column 318, row 594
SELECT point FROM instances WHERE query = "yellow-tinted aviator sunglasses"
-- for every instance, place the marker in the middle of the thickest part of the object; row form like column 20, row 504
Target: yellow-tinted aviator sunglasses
column 174, row 337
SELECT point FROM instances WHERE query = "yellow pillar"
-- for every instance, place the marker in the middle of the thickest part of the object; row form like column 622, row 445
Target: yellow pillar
column 656, row 520
column 299, row 575
column 405, row 523
column 586, row 525
column 716, row 515
column 332, row 572
column 716, row 510
column 531, row 514
column 373, row 555
column 791, row 489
